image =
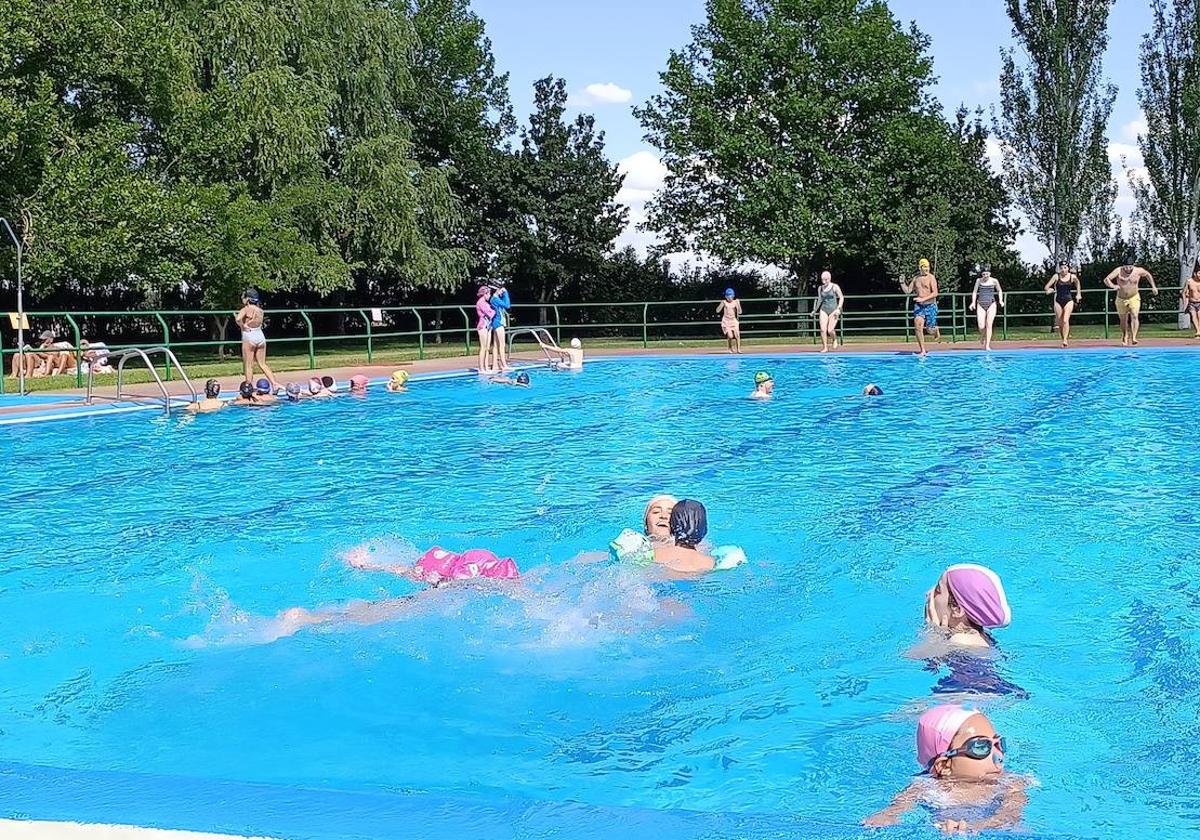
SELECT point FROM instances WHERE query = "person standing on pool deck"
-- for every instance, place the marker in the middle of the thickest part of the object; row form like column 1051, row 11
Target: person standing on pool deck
column 1067, row 294
column 485, row 313
column 1127, row 281
column 985, row 298
column 501, row 304
column 254, row 343
column 1190, row 297
column 924, row 289
column 828, row 308
column 730, row 310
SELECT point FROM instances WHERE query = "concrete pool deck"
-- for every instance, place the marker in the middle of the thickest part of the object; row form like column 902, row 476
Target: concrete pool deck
column 68, row 402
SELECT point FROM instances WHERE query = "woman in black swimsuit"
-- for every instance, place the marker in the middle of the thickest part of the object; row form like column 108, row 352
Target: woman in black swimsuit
column 1067, row 292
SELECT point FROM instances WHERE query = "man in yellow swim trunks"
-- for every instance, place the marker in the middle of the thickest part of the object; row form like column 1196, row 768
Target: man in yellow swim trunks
column 1126, row 281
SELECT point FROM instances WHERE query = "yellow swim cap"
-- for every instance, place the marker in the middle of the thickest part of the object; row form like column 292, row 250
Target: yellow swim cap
column 399, row 376
column 924, row 263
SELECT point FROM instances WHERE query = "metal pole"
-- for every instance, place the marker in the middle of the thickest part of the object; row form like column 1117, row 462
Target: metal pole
column 20, row 308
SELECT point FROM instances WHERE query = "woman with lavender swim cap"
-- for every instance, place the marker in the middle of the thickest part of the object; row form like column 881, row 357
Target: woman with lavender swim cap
column 966, row 603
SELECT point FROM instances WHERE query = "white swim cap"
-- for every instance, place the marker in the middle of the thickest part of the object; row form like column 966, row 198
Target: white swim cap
column 576, row 343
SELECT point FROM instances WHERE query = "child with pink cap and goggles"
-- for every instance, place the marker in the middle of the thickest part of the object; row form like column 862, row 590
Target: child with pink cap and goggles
column 962, row 775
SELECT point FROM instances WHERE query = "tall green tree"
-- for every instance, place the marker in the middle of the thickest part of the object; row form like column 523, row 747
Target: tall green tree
column 461, row 115
column 1054, row 116
column 1169, row 195
column 800, row 133
column 564, row 188
column 213, row 144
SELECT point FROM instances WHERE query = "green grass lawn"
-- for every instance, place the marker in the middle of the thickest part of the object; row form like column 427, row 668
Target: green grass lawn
column 201, row 364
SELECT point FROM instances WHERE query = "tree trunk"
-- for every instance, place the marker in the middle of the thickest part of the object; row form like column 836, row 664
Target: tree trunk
column 220, row 327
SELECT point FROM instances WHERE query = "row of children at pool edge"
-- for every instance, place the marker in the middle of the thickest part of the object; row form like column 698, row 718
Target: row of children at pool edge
column 962, row 777
column 262, row 393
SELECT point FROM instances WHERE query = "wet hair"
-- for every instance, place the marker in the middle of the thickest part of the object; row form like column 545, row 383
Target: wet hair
column 246, row 391
column 689, row 523
column 523, row 378
column 212, row 389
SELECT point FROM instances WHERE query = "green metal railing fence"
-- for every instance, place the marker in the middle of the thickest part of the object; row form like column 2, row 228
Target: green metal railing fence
column 881, row 316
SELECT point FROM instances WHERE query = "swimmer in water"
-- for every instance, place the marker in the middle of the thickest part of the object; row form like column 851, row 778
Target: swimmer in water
column 398, row 384
column 872, row 390
column 764, row 386
column 212, row 399
column 967, row 601
column 293, row 391
column 264, row 393
column 572, row 357
column 963, row 780
column 522, row 380
column 247, row 396
column 437, row 568
column 317, row 389
column 358, row 385
column 689, row 527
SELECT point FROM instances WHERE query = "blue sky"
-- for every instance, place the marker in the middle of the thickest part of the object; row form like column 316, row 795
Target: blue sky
column 611, row 52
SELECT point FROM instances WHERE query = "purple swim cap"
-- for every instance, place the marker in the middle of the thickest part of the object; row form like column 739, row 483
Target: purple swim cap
column 979, row 592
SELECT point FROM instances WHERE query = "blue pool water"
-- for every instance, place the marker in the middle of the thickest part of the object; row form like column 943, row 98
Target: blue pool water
column 143, row 559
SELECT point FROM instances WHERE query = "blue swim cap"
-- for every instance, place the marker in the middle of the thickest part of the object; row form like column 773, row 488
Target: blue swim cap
column 523, row 378
column 262, row 386
column 729, row 293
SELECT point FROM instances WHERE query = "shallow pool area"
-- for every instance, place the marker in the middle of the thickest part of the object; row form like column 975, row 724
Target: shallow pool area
column 143, row 678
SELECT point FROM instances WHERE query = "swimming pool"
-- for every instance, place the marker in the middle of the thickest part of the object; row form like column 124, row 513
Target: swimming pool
column 143, row 556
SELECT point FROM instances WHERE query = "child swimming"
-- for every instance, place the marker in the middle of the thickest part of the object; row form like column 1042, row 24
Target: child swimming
column 689, row 526
column 248, row 397
column 358, row 385
column 522, row 380
column 963, row 780
column 398, row 384
column 264, row 392
column 967, row 601
column 764, row 386
column 436, row 568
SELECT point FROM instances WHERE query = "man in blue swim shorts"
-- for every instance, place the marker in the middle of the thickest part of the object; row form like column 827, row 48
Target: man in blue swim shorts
column 924, row 290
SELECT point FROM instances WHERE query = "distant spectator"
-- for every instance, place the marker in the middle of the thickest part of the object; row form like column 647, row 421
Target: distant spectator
column 95, row 357
column 57, row 357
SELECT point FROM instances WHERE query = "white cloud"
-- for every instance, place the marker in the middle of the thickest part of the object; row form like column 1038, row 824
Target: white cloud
column 1131, row 130
column 605, row 93
column 995, row 156
column 644, row 174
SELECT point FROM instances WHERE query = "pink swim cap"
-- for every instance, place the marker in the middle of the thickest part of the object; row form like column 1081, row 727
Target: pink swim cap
column 437, row 565
column 978, row 590
column 358, row 382
column 936, row 730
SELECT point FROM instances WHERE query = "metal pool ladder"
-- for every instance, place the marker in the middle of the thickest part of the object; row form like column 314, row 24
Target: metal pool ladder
column 143, row 353
column 542, row 336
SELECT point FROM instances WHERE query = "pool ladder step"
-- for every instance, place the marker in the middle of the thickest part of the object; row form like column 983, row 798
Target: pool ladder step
column 143, row 353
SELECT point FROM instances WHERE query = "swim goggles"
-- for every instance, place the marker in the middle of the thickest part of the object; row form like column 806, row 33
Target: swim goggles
column 977, row 748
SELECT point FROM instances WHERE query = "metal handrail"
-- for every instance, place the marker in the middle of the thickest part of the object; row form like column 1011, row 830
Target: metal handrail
column 123, row 356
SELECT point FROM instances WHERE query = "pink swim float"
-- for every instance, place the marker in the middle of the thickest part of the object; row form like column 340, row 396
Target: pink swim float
column 437, row 565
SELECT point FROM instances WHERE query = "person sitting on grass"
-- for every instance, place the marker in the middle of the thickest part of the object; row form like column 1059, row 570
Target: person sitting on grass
column 398, row 384
column 57, row 357
column 212, row 399
column 95, row 357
